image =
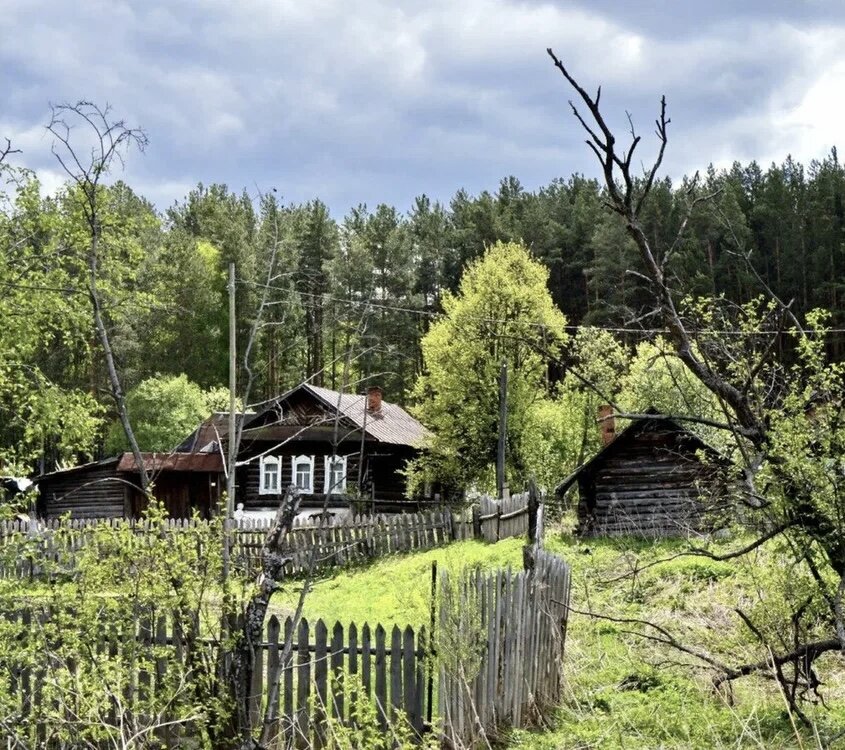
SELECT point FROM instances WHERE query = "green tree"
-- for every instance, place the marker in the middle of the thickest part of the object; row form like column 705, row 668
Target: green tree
column 501, row 313
column 164, row 410
column 46, row 407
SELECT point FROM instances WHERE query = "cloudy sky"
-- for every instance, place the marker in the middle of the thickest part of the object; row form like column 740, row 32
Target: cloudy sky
column 366, row 101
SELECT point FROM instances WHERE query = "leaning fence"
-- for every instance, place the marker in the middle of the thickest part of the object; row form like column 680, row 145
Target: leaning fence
column 492, row 658
column 506, row 632
column 311, row 545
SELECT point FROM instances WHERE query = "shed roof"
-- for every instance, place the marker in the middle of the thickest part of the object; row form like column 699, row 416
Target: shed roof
column 200, row 462
column 80, row 468
column 623, row 438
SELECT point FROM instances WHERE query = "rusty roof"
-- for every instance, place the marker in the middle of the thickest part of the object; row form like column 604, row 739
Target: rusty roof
column 211, row 433
column 390, row 424
column 201, row 462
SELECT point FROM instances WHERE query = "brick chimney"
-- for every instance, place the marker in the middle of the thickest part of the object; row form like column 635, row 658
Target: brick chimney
column 374, row 396
column 607, row 424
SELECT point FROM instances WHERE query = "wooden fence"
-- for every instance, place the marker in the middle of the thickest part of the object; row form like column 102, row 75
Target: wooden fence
column 340, row 542
column 52, row 545
column 329, row 678
column 504, row 664
column 503, row 518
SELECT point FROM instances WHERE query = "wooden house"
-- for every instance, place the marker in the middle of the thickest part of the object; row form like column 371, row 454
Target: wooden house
column 110, row 488
column 335, row 447
column 653, row 479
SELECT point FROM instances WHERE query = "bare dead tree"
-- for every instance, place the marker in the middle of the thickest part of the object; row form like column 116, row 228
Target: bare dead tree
column 746, row 408
column 7, row 150
column 87, row 169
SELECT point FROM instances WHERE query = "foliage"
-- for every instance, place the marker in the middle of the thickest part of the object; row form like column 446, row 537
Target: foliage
column 563, row 429
column 502, row 313
column 657, row 379
column 366, row 731
column 622, row 690
column 83, row 650
column 164, row 410
column 43, row 407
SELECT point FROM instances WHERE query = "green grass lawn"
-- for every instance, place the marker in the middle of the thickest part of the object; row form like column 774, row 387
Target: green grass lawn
column 394, row 590
column 622, row 691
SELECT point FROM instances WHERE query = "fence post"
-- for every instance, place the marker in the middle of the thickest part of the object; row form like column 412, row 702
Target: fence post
column 533, row 506
column 476, row 522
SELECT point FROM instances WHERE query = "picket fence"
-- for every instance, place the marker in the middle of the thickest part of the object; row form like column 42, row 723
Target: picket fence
column 326, row 679
column 311, row 544
column 496, row 650
column 507, row 631
column 328, row 543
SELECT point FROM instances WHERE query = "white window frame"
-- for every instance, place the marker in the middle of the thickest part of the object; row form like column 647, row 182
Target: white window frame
column 303, row 460
column 340, row 487
column 262, row 475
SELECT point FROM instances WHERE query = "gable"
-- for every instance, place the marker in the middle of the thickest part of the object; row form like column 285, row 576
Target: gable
column 645, row 437
column 319, row 408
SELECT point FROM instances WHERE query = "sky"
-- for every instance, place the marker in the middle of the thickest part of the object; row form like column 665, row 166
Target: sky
column 368, row 102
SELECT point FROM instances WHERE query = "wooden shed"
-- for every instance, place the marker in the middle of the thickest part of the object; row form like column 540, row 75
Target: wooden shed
column 110, row 488
column 653, row 479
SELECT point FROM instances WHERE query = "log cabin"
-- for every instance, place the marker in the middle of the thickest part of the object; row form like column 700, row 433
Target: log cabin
column 110, row 488
column 653, row 479
column 336, row 448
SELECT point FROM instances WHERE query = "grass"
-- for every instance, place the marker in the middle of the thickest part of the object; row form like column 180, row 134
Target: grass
column 624, row 691
column 394, row 590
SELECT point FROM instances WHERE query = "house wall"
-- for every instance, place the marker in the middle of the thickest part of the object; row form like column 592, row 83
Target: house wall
column 103, row 492
column 248, row 476
column 183, row 493
column 653, row 486
column 382, row 473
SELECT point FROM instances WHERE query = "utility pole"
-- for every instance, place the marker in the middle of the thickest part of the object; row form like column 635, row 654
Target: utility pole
column 231, row 437
column 503, row 428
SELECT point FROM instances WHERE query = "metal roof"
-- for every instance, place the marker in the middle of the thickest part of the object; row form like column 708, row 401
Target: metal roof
column 390, row 424
column 202, row 462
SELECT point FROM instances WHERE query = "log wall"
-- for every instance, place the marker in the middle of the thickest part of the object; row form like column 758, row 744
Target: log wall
column 654, row 485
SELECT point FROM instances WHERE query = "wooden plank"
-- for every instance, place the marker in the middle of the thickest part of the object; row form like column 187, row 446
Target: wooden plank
column 336, row 683
column 366, row 660
column 395, row 673
column 380, row 695
column 409, row 685
column 256, row 689
column 288, row 716
column 321, row 683
column 418, row 716
column 273, row 671
column 352, row 633
column 302, row 737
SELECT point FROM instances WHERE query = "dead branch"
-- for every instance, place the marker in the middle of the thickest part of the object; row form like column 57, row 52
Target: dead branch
column 7, row 150
column 628, row 208
column 111, row 139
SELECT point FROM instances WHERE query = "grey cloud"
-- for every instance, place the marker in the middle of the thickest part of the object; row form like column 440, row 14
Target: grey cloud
column 374, row 101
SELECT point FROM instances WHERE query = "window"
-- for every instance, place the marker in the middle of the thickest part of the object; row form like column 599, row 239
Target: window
column 335, row 475
column 270, row 475
column 303, row 473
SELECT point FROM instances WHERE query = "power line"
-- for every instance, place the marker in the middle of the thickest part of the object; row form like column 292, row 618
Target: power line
column 567, row 327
